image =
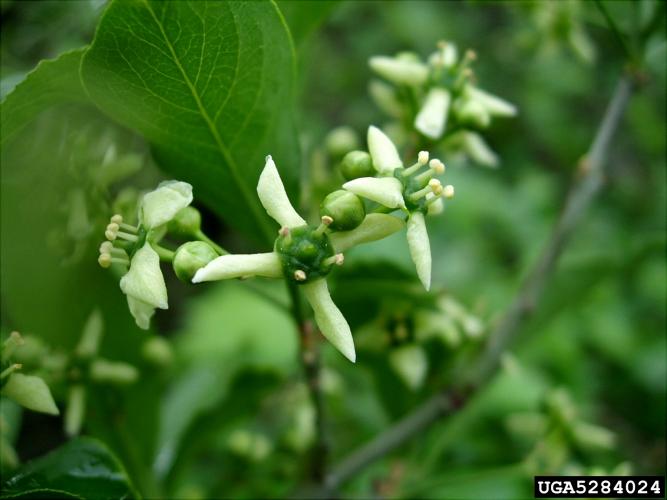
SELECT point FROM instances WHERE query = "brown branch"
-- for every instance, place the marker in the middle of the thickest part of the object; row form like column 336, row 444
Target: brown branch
column 582, row 191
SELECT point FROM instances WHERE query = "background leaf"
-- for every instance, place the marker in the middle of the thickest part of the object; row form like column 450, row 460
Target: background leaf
column 82, row 468
column 52, row 82
column 210, row 85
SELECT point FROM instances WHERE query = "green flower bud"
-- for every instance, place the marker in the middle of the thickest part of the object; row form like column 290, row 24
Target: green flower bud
column 113, row 372
column 341, row 140
column 186, row 223
column 345, row 208
column 31, row 392
column 157, row 351
column 190, row 257
column 357, row 164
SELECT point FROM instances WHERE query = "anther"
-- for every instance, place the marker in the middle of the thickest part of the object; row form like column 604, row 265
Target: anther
column 470, row 55
column 449, row 191
column 436, row 186
column 326, row 221
column 422, row 157
column 283, row 231
column 437, row 166
column 117, row 218
column 104, row 260
column 337, row 259
column 300, row 275
column 106, row 247
column 8, row 371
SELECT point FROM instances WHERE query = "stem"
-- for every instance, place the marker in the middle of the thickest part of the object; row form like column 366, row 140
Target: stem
column 202, row 237
column 310, row 359
column 165, row 254
column 629, row 53
column 453, row 399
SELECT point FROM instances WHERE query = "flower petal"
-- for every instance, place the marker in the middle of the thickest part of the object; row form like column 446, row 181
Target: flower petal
column 478, row 150
column 144, row 280
column 274, row 199
column 401, row 71
column 410, row 363
column 384, row 96
column 432, row 117
column 383, row 152
column 30, row 391
column 374, row 227
column 160, row 205
column 435, row 208
column 141, row 311
column 331, row 321
column 387, row 191
column 237, row 266
column 420, row 248
column 493, row 104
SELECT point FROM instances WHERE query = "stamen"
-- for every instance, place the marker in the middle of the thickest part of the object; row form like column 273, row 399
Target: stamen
column 326, row 222
column 422, row 159
column 106, row 247
column 432, row 199
column 117, row 218
column 104, row 260
column 284, row 231
column 436, row 168
column 8, row 371
column 117, row 221
column 436, row 186
column 449, row 191
column 112, row 231
column 130, row 228
column 13, row 341
column 470, row 56
column 337, row 259
column 127, row 236
column 299, row 275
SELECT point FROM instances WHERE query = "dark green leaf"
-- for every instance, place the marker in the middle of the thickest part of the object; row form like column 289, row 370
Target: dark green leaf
column 52, row 82
column 210, row 85
column 82, row 468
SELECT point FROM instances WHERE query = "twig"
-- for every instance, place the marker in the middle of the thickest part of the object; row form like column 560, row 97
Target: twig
column 451, row 400
column 310, row 359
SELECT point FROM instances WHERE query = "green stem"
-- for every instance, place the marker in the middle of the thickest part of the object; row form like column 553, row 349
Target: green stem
column 202, row 237
column 165, row 254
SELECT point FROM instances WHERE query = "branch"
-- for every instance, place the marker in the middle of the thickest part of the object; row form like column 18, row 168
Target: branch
column 582, row 191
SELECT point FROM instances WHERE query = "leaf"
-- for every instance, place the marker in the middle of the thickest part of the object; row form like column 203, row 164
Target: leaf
column 209, row 84
column 82, row 468
column 304, row 16
column 52, row 82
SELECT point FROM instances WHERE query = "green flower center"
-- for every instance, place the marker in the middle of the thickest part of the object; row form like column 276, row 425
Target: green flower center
column 305, row 253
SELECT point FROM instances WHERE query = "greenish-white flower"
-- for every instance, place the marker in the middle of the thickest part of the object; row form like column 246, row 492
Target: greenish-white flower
column 302, row 254
column 432, row 117
column 144, row 284
column 411, row 189
column 400, row 70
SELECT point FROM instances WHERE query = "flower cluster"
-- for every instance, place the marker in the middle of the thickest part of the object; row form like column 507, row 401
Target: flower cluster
column 414, row 190
column 439, row 99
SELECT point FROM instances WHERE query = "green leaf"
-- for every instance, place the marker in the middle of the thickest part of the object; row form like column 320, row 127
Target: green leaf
column 52, row 82
column 210, row 86
column 82, row 468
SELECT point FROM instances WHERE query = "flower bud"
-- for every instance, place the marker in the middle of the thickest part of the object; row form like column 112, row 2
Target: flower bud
column 157, row 351
column 345, row 208
column 340, row 141
column 357, row 164
column 190, row 257
column 186, row 223
column 113, row 372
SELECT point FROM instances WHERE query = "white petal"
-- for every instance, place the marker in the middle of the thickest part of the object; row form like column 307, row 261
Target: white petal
column 437, row 207
column 374, row 227
column 141, row 311
column 383, row 152
column 274, row 198
column 478, row 150
column 401, row 71
column 237, row 266
column 432, row 117
column 493, row 104
column 410, row 363
column 30, row 391
column 387, row 191
column 385, row 98
column 144, row 280
column 160, row 205
column 329, row 318
column 420, row 248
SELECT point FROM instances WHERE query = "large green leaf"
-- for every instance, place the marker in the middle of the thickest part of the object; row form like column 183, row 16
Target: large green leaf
column 52, row 82
column 210, row 85
column 82, row 468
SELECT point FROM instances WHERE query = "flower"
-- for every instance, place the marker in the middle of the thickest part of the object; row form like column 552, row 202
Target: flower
column 144, row 284
column 302, row 254
column 416, row 193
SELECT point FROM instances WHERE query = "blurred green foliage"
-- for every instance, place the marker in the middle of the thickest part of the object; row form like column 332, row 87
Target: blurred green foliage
column 224, row 417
